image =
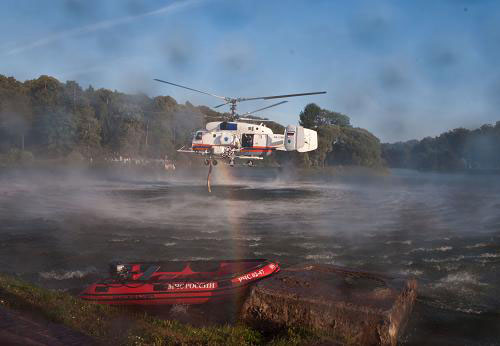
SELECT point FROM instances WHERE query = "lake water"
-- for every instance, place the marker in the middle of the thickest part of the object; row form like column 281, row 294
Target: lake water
column 60, row 231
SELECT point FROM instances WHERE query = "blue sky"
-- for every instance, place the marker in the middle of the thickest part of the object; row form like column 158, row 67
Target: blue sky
column 401, row 69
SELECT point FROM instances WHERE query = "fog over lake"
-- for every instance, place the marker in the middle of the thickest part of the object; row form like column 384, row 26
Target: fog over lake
column 61, row 229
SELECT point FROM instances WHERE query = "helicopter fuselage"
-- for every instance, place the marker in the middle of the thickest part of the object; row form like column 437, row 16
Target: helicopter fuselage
column 248, row 141
column 241, row 140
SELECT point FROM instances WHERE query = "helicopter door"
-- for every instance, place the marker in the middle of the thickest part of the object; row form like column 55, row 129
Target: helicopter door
column 247, row 140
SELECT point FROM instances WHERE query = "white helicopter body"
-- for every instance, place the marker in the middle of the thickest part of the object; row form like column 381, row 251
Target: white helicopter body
column 233, row 139
column 248, row 141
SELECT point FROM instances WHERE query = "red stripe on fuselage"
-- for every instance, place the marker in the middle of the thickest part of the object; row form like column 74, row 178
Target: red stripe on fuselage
column 201, row 147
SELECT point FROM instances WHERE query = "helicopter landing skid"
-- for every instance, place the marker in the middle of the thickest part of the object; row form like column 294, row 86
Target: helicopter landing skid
column 249, row 157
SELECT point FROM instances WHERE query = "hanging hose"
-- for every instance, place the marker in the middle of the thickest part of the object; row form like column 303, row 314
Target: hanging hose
column 208, row 176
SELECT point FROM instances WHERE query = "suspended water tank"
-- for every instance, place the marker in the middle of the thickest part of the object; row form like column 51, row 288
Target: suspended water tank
column 300, row 139
column 294, row 137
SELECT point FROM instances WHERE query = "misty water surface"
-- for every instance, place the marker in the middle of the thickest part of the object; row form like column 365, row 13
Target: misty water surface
column 60, row 230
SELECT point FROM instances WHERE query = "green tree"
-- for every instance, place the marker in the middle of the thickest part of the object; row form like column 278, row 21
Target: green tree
column 327, row 136
column 313, row 116
column 56, row 133
column 16, row 114
column 88, row 132
column 356, row 146
column 46, row 94
column 309, row 117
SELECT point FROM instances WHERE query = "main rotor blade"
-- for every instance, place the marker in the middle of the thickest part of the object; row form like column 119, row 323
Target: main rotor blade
column 280, row 96
column 185, row 87
column 221, row 105
column 261, row 109
column 250, row 119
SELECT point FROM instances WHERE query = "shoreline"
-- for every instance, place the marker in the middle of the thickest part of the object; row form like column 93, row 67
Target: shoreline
column 121, row 326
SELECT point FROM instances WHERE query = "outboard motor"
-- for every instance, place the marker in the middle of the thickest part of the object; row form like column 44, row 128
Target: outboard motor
column 120, row 271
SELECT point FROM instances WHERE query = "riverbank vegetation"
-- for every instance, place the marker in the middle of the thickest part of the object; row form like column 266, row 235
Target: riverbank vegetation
column 339, row 144
column 46, row 119
column 456, row 150
column 112, row 325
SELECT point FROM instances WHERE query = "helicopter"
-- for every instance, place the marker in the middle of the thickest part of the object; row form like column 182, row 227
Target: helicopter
column 236, row 138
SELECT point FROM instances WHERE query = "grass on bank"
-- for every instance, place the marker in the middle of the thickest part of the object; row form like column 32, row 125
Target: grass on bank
column 114, row 325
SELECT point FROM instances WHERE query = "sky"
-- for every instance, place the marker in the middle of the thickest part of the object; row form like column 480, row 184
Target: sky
column 401, row 69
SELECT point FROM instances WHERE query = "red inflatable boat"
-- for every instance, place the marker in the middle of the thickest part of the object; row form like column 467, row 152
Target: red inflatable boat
column 192, row 282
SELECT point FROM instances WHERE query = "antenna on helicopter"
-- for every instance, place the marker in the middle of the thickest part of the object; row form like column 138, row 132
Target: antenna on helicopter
column 231, row 101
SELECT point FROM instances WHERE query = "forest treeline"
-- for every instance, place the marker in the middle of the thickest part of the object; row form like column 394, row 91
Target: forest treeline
column 52, row 119
column 45, row 118
column 458, row 149
column 338, row 142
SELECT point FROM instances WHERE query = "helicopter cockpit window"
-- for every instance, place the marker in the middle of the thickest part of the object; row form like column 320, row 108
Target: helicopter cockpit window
column 199, row 134
column 228, row 126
